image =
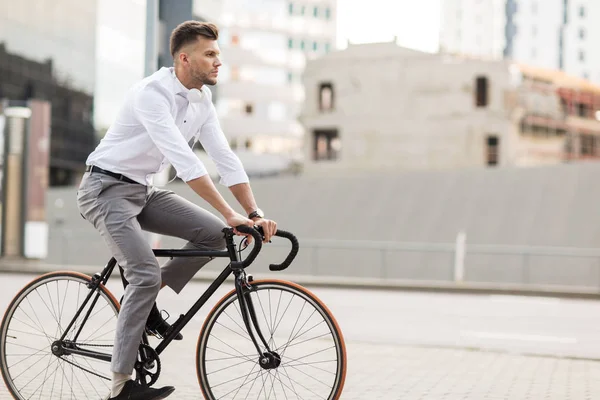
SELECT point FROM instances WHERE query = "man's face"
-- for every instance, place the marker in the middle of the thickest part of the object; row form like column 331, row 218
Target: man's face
column 204, row 61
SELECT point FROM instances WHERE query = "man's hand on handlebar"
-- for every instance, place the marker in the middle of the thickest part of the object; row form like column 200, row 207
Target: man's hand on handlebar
column 236, row 219
column 269, row 228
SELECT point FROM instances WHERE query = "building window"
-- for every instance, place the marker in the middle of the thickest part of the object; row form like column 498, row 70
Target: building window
column 326, row 145
column 290, row 43
column 302, row 45
column 589, row 145
column 249, row 108
column 492, row 150
column 581, row 33
column 326, row 97
column 326, row 47
column 534, row 7
column 302, row 10
column 586, row 76
column 291, row 8
column 581, row 55
column 582, row 110
column 316, row 12
column 327, row 13
column 315, row 46
column 481, row 91
column 582, row 11
column 290, row 77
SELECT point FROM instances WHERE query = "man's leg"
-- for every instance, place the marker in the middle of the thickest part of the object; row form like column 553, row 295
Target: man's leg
column 169, row 214
column 112, row 206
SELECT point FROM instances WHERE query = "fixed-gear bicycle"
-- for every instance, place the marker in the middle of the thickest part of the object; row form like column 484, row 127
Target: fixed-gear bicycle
column 265, row 339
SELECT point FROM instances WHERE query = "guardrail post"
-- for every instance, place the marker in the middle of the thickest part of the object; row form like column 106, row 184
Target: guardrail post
column 459, row 257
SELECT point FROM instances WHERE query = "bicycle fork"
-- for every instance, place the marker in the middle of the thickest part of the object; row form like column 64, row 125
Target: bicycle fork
column 268, row 359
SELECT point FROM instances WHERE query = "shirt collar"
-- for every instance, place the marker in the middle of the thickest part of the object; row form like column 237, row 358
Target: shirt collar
column 193, row 96
column 179, row 88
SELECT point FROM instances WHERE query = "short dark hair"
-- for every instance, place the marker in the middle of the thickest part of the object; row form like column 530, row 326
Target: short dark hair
column 188, row 31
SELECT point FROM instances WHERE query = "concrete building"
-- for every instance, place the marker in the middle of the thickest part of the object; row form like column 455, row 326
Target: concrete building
column 554, row 34
column 381, row 106
column 265, row 46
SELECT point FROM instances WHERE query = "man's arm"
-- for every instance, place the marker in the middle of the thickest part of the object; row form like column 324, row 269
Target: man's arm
column 206, row 189
column 243, row 194
column 151, row 107
column 231, row 170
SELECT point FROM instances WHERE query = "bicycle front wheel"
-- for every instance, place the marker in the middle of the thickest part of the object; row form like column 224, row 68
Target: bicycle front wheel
column 33, row 323
column 297, row 326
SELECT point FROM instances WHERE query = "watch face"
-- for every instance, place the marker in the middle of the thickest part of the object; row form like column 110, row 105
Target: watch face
column 258, row 213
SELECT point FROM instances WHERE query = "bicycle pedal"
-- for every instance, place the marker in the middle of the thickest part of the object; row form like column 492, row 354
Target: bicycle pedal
column 153, row 333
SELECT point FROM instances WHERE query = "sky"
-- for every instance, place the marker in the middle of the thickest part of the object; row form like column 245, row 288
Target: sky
column 415, row 23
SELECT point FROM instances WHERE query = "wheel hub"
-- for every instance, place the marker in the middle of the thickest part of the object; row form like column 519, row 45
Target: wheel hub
column 270, row 360
column 57, row 348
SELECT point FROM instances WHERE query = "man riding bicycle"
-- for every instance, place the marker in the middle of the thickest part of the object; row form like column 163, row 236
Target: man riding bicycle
column 160, row 116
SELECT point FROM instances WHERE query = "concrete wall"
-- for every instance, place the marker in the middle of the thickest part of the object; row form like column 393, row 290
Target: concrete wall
column 403, row 226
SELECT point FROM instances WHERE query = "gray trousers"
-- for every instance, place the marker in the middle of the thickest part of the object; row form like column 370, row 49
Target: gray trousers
column 120, row 211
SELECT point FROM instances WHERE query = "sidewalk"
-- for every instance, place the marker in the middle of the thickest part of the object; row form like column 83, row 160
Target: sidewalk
column 381, row 372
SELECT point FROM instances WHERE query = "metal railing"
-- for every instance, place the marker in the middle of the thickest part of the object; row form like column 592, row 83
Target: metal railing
column 457, row 263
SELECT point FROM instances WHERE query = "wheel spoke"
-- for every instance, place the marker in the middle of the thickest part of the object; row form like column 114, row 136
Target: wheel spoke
column 38, row 316
column 301, row 327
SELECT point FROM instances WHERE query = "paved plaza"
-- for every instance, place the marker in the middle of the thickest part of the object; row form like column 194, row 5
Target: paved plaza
column 429, row 346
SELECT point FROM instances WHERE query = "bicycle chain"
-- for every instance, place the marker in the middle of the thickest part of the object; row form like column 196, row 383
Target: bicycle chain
column 92, row 372
column 95, row 345
column 84, row 369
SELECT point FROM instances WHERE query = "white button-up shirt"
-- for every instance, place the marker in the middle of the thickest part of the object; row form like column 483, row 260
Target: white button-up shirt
column 155, row 127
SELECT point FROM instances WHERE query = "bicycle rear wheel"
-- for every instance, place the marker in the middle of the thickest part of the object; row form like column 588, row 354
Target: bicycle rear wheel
column 298, row 327
column 36, row 319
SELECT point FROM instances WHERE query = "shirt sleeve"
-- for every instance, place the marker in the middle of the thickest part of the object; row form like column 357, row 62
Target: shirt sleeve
column 213, row 140
column 152, row 108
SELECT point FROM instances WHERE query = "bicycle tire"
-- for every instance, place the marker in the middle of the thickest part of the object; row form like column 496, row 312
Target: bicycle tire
column 281, row 383
column 25, row 327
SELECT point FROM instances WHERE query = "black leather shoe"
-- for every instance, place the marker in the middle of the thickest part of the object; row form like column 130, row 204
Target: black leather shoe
column 135, row 391
column 157, row 326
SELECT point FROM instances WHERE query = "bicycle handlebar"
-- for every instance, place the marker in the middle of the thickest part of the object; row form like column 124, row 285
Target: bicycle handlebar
column 257, row 243
column 293, row 252
column 257, row 234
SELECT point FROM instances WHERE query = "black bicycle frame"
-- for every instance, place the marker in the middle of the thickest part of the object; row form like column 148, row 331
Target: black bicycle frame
column 236, row 267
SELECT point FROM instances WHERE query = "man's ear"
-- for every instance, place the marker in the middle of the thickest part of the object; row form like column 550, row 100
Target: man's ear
column 183, row 58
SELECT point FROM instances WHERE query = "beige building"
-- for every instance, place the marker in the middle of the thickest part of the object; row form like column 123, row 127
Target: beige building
column 381, row 106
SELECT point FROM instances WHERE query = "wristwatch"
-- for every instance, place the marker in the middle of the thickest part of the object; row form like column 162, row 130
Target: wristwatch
column 258, row 213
